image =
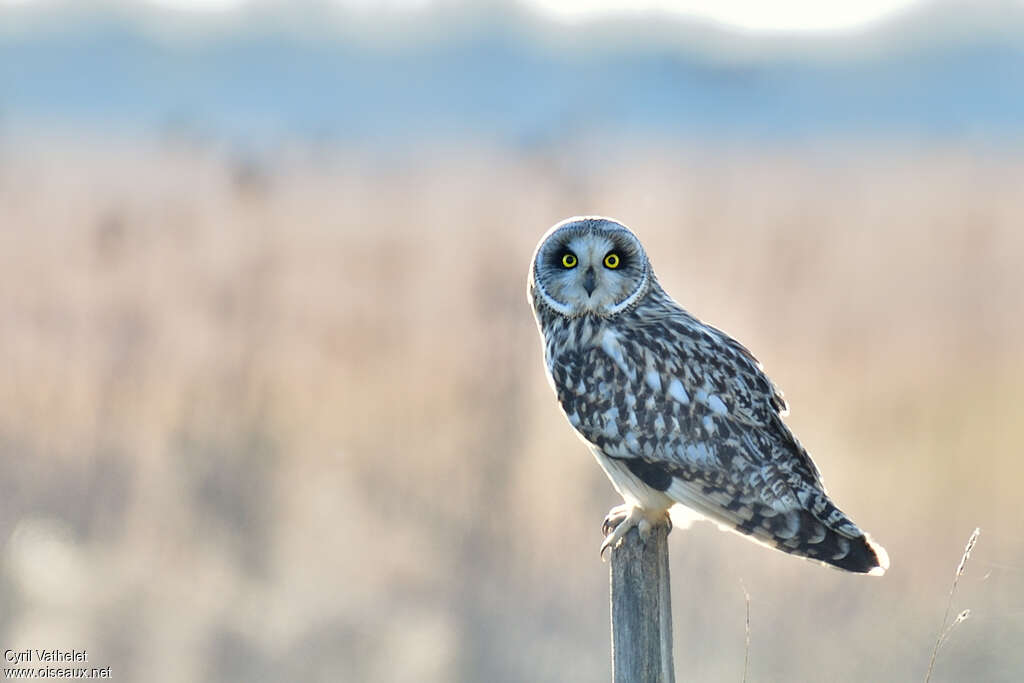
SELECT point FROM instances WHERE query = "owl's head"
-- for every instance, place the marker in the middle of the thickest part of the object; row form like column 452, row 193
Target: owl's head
column 589, row 265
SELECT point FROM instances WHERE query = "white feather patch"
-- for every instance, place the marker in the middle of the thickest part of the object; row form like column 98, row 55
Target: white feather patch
column 717, row 405
column 676, row 391
column 610, row 345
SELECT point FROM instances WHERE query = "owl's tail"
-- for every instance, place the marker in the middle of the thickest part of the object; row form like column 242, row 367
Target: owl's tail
column 816, row 540
column 826, row 534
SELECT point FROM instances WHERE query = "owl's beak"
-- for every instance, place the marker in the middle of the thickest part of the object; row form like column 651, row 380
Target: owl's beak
column 588, row 281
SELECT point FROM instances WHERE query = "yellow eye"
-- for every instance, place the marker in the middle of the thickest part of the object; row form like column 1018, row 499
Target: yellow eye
column 611, row 261
column 569, row 260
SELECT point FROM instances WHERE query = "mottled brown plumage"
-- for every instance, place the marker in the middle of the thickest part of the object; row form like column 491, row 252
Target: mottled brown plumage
column 673, row 409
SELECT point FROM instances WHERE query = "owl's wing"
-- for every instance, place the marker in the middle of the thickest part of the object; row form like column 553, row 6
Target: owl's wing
column 691, row 413
column 688, row 395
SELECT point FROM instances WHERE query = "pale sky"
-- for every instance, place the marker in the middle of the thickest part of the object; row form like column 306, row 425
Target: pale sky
column 753, row 15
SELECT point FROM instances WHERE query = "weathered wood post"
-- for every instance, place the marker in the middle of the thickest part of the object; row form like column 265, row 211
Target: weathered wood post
column 641, row 609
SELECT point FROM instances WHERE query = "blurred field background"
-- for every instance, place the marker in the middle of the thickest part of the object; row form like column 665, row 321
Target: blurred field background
column 273, row 404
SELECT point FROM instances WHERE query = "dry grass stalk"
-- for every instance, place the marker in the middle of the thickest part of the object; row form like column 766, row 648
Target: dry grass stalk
column 746, row 649
column 944, row 630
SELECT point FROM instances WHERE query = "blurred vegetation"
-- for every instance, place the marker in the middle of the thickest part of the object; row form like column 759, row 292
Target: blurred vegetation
column 284, row 417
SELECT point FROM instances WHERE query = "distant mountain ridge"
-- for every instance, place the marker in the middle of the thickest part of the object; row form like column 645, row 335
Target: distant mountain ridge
column 493, row 71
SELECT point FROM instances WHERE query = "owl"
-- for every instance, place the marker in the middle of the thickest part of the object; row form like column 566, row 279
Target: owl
column 674, row 410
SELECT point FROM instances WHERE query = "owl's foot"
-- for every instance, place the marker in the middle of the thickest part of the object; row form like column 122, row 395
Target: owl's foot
column 622, row 518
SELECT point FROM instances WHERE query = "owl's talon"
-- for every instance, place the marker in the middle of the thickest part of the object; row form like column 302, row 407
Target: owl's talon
column 622, row 518
column 614, row 518
column 612, row 540
column 644, row 528
column 619, row 521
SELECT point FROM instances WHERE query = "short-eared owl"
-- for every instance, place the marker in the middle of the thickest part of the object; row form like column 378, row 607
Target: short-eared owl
column 674, row 410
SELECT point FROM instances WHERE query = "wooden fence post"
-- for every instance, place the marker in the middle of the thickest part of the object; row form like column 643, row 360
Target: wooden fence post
column 641, row 610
